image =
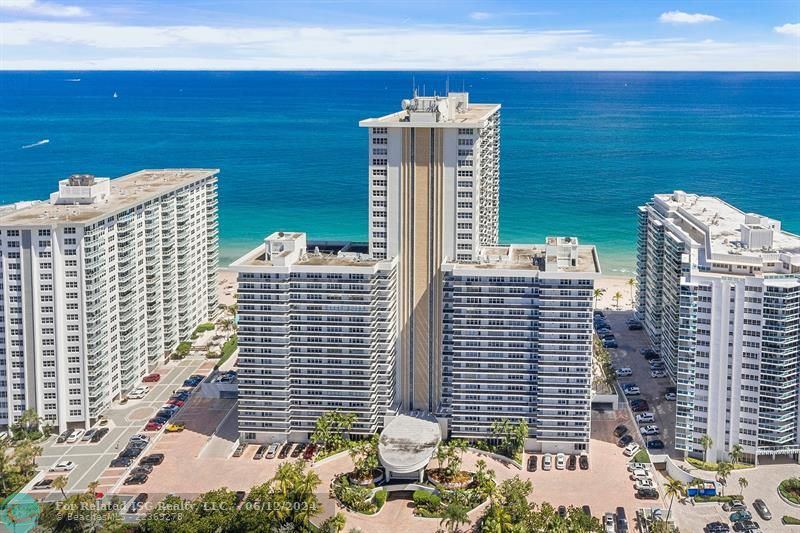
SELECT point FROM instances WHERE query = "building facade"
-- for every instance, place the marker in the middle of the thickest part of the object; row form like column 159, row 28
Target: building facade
column 518, row 343
column 98, row 284
column 317, row 333
column 720, row 298
column 434, row 175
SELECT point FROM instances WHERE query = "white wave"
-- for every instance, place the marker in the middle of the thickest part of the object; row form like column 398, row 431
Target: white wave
column 43, row 141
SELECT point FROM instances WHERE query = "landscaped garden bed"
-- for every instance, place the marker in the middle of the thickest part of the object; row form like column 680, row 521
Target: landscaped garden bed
column 789, row 490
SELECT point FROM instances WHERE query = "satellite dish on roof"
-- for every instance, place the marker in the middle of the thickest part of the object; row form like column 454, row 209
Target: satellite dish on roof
column 405, row 104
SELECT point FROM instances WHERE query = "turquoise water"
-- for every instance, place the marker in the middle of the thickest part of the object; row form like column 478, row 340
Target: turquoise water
column 579, row 150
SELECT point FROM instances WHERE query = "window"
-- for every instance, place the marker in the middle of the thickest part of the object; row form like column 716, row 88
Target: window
column 464, row 173
column 379, row 140
column 465, row 131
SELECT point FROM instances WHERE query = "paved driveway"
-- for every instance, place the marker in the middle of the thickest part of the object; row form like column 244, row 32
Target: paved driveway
column 652, row 390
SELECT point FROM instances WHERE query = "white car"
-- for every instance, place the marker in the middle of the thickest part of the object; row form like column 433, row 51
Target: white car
column 63, row 466
column 632, row 391
column 655, row 374
column 136, row 394
column 547, row 461
column 561, row 461
column 624, row 372
column 638, row 474
column 633, row 467
column 140, row 437
column 649, row 430
column 644, row 484
column 670, row 396
column 631, row 449
column 608, row 523
column 643, row 418
column 75, row 436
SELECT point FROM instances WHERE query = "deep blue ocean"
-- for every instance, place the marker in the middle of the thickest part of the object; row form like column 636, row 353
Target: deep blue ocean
column 579, row 151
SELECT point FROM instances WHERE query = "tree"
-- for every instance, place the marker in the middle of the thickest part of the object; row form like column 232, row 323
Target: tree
column 673, row 488
column 365, row 458
column 60, row 483
column 736, row 454
column 28, row 421
column 706, row 442
column 724, row 470
column 455, row 514
column 334, row 524
column 742, row 484
column 510, row 435
column 617, row 297
column 631, row 283
column 484, row 479
column 597, row 294
column 331, row 429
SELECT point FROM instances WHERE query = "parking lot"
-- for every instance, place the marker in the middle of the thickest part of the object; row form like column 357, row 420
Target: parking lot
column 652, row 390
column 92, row 459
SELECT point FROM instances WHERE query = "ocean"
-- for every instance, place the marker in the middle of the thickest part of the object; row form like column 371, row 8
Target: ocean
column 579, row 151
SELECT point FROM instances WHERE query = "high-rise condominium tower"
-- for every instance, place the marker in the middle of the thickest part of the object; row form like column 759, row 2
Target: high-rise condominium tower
column 433, row 193
column 98, row 284
column 719, row 290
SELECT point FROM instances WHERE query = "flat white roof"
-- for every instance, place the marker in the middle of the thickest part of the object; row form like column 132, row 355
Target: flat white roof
column 408, row 443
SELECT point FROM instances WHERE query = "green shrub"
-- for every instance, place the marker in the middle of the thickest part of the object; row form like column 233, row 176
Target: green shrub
column 228, row 348
column 423, row 498
column 712, row 467
column 731, row 498
column 206, row 326
column 380, row 498
column 790, row 520
column 183, row 349
column 790, row 489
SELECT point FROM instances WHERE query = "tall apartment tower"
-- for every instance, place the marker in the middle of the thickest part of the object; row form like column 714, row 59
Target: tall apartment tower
column 98, row 284
column 433, row 193
column 518, row 342
column 317, row 334
column 719, row 291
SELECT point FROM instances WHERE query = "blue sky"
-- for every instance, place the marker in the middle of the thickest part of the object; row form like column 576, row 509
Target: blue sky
column 409, row 35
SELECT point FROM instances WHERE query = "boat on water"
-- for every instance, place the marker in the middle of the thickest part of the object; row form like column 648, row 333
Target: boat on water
column 43, row 141
column 115, row 94
column 73, row 79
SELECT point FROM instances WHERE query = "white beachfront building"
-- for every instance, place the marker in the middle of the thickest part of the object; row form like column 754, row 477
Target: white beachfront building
column 719, row 290
column 98, row 284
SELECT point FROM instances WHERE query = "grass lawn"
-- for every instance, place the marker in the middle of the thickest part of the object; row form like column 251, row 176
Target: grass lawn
column 712, row 467
column 227, row 349
column 641, row 457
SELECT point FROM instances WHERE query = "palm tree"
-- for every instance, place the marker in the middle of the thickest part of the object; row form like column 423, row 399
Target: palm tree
column 60, row 483
column 724, row 470
column 454, row 516
column 631, row 283
column 672, row 489
column 736, row 454
column 706, row 443
column 597, row 294
column 742, row 484
column 617, row 297
column 91, row 488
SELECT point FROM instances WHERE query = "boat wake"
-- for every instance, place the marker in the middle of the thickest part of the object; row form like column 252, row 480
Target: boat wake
column 43, row 141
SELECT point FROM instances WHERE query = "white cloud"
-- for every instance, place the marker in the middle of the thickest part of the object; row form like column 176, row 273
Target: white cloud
column 789, row 29
column 47, row 9
column 480, row 15
column 680, row 17
column 98, row 46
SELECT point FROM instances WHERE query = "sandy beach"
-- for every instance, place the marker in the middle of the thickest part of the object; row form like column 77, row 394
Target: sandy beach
column 612, row 285
column 226, row 286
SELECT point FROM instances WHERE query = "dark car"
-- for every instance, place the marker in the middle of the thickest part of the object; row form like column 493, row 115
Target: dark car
column 239, row 450
column 635, row 326
column 655, row 444
column 138, row 444
column 647, row 494
column 717, row 527
column 165, row 414
column 620, row 430
column 240, row 494
column 747, row 525
column 608, row 336
column 142, row 469
column 584, row 462
column 298, row 449
column 622, row 520
column 598, row 312
column 762, row 509
column 260, row 452
column 64, row 436
column 131, row 453
column 648, row 351
column 532, row 460
column 152, row 459
column 625, row 440
column 137, row 479
column 640, row 407
column 121, row 462
column 652, row 356
column 587, row 510
column 309, row 452
column 562, row 511
column 610, row 343
column 137, row 503
column 99, row 434
column 285, row 449
column 572, row 462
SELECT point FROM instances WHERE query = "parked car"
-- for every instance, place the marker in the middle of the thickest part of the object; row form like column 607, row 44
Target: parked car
column 649, row 430
column 99, row 434
column 598, row 312
column 622, row 520
column 88, row 435
column 632, row 391
column 174, row 428
column 151, row 378
column 137, row 503
column 631, row 449
column 309, row 452
column 64, row 436
column 239, row 450
column 260, row 452
column 153, row 426
column 131, row 452
column 175, row 402
column 647, row 494
column 562, row 511
column 298, row 450
column 240, row 495
column 670, row 396
column 121, row 462
column 623, row 372
column 137, row 479
column 610, row 344
column 734, row 505
column 285, row 449
column 586, row 510
column 640, row 473
column 717, row 527
column 648, row 352
column 532, row 460
column 657, row 374
column 762, row 509
column 642, row 418
column 139, row 437
column 640, row 407
column 620, row 430
column 165, row 413
column 43, row 484
column 741, row 516
column 652, row 356
column 747, row 526
column 547, row 461
column 583, row 461
column 644, row 484
column 272, row 450
column 635, row 326
column 75, row 436
column 655, row 444
column 142, row 469
column 572, row 462
column 152, row 459
column 608, row 523
column 625, row 440
column 63, row 466
column 561, row 461
column 632, row 467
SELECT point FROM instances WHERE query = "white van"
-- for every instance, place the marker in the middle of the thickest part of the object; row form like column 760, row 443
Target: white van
column 624, row 372
column 643, row 418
